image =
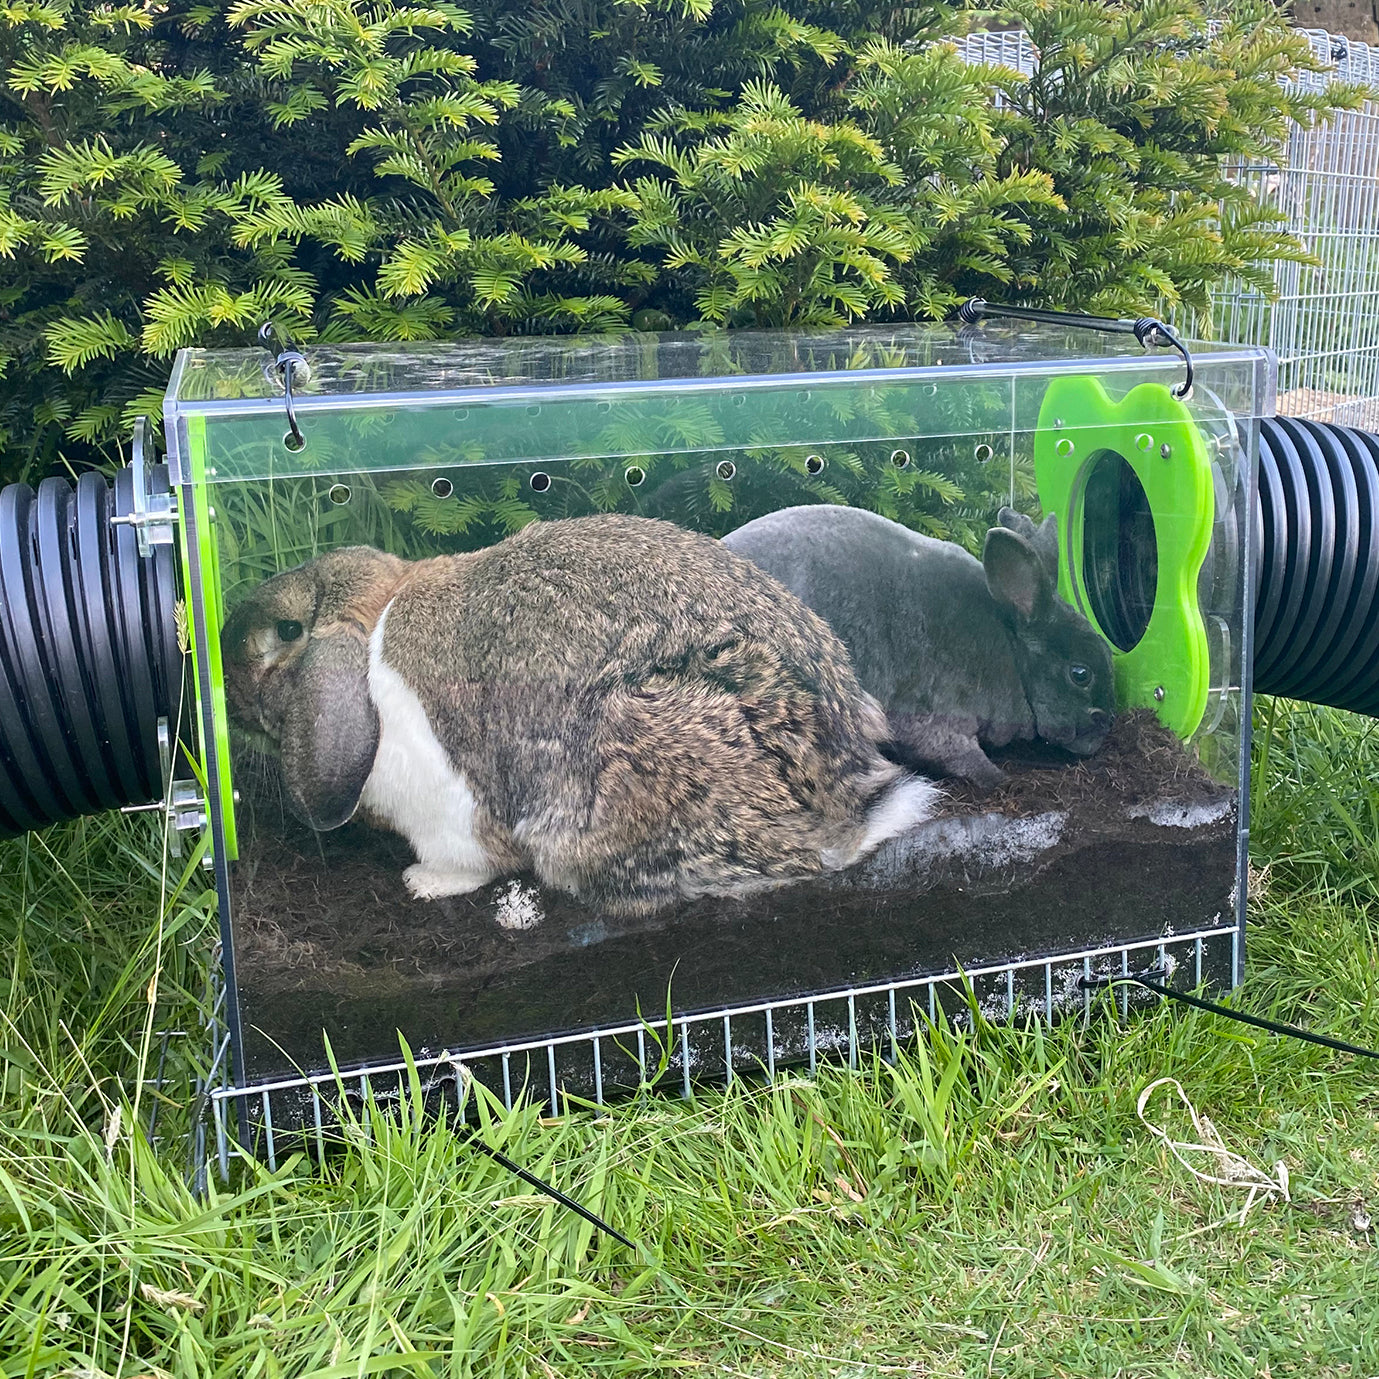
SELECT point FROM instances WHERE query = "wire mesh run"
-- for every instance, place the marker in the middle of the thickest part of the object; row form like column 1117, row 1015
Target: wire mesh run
column 758, row 1040
column 1324, row 322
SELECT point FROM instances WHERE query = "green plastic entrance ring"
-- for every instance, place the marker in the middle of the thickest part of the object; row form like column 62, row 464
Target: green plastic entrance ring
column 1168, row 669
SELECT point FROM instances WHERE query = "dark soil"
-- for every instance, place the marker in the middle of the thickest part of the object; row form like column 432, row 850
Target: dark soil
column 1132, row 843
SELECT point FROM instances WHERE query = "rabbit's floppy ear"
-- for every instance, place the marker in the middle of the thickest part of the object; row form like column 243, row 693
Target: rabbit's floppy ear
column 1016, row 575
column 330, row 729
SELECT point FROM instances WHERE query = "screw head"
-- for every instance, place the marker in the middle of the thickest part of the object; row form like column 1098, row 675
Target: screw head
column 1058, row 423
column 1165, row 450
column 1158, row 694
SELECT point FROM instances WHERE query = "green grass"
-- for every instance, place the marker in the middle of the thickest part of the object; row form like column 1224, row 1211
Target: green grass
column 990, row 1206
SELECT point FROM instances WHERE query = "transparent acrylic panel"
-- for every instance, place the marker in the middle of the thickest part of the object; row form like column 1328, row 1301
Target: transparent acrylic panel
column 567, row 770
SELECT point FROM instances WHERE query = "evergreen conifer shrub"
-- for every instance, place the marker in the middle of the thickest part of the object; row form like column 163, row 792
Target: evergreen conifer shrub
column 175, row 173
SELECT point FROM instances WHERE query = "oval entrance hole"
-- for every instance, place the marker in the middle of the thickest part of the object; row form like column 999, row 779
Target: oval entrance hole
column 1120, row 555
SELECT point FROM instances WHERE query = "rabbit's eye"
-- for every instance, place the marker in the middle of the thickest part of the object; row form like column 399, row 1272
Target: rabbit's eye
column 1081, row 676
column 289, row 630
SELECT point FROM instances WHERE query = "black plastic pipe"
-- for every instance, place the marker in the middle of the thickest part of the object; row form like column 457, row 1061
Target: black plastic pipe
column 1317, row 564
column 89, row 661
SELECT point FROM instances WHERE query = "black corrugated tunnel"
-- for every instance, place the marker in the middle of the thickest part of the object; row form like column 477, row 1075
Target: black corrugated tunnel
column 1317, row 564
column 90, row 669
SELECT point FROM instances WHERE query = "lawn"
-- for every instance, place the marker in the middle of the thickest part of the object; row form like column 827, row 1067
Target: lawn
column 991, row 1205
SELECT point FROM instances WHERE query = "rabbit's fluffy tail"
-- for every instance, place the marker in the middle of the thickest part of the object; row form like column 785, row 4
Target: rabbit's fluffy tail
column 907, row 801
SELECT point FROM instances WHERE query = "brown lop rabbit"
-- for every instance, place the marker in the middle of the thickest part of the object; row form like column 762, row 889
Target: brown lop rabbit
column 623, row 707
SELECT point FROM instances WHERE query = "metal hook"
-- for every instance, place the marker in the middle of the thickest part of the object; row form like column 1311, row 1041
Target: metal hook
column 288, row 361
column 1149, row 331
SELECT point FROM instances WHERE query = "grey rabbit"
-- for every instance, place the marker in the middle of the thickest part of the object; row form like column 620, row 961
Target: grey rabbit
column 621, row 706
column 964, row 655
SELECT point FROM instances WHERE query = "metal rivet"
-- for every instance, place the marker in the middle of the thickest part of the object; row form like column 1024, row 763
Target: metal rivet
column 1063, row 448
column 1058, row 423
column 983, row 453
column 211, row 472
column 1165, row 450
column 814, row 463
column 442, row 487
column 339, row 494
column 900, row 458
column 726, row 469
column 634, row 475
column 1158, row 694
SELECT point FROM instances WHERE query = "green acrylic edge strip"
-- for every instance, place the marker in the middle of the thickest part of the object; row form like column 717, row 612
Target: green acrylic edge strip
column 214, row 615
column 1169, row 669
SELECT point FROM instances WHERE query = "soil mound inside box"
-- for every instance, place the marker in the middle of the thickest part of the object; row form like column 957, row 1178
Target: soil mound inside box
column 1135, row 842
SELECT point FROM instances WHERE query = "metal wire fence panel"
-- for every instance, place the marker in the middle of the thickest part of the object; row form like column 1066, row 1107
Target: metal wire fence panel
column 1324, row 321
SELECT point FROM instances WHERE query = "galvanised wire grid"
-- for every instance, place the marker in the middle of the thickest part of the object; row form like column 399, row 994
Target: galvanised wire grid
column 296, row 1112
column 1324, row 322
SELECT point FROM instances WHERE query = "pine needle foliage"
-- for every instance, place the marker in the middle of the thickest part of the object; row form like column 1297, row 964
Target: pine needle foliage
column 173, row 173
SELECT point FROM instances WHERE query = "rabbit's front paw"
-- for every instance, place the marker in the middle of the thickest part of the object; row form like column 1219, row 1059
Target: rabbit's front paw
column 426, row 883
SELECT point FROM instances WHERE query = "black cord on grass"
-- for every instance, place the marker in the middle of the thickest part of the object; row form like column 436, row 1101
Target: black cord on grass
column 1151, row 979
column 552, row 1192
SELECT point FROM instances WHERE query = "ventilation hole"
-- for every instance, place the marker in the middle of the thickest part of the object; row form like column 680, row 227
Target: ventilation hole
column 540, row 481
column 1120, row 555
column 1144, row 441
column 533, row 411
column 739, row 399
column 1063, row 448
column 814, row 464
column 983, row 453
column 339, row 494
column 635, row 476
column 605, row 406
column 442, row 488
column 900, row 458
column 726, row 469
column 293, row 443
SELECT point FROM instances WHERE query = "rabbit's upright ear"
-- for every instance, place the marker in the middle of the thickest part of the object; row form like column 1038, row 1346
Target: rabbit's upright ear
column 1046, row 544
column 1044, row 537
column 330, row 729
column 1016, row 575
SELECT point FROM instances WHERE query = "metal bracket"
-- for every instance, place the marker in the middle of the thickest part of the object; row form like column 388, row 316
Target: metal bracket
column 185, row 807
column 154, row 514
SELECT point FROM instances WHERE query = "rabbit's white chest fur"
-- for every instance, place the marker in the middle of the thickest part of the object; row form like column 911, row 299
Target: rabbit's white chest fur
column 416, row 788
